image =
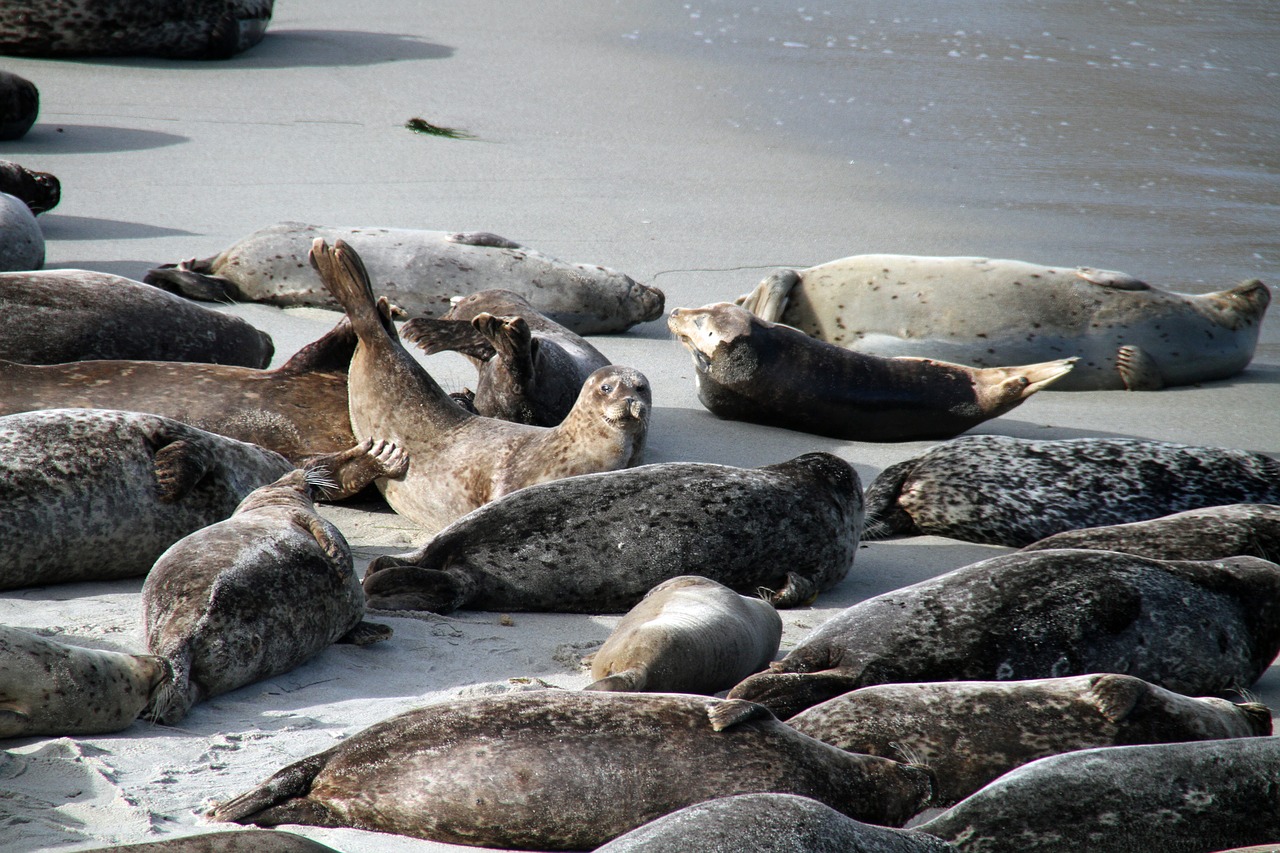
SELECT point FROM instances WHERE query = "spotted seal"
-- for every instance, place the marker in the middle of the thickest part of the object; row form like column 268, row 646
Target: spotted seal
column 751, row 370
column 40, row 191
column 989, row 312
column 21, row 240
column 19, row 105
column 239, row 841
column 597, row 543
column 1012, row 491
column 970, row 732
column 567, row 770
column 1198, row 628
column 419, row 271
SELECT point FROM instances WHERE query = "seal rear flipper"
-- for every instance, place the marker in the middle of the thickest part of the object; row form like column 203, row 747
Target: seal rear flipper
column 798, row 591
column 788, row 693
column 283, row 793
column 628, row 681
column 414, row 588
column 330, row 352
column 884, row 517
column 1138, row 370
column 433, row 335
column 366, row 634
column 190, row 279
column 486, row 239
column 769, row 299
column 179, row 465
column 731, row 712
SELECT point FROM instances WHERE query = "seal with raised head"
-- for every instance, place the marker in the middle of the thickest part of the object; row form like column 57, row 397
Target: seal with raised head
column 19, row 105
column 751, row 370
column 567, row 770
column 1000, row 490
column 54, row 689
column 459, row 461
column 970, row 732
column 989, row 312
column 598, row 543
column 1198, row 628
column 689, row 634
column 39, row 190
column 419, row 271
column 21, row 240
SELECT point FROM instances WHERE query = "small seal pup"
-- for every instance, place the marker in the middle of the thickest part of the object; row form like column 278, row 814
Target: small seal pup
column 750, row 370
column 988, row 312
column 459, row 461
column 419, row 272
column 54, row 689
column 1012, row 491
column 21, row 240
column 688, row 635
column 39, row 190
column 251, row 597
column 567, row 770
column 19, row 105
column 1198, row 628
column 970, row 732
column 1171, row 797
column 597, row 543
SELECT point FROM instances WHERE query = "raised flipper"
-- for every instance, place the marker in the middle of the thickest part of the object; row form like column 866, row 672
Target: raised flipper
column 433, row 335
column 331, row 352
column 341, row 475
column 483, row 238
column 366, row 633
column 1111, row 278
column 1138, row 370
column 769, row 299
column 628, row 681
column 179, row 465
column 731, row 712
column 191, row 279
column 798, row 591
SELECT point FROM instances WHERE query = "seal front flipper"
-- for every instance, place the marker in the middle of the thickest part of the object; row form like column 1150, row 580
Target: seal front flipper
column 884, row 516
column 769, row 299
column 1115, row 695
column 483, row 238
column 1111, row 278
column 190, row 279
column 366, row 633
column 14, row 720
column 433, row 335
column 796, row 592
column 351, row 470
column 280, row 799
column 628, row 681
column 788, row 693
column 1138, row 370
column 179, row 465
column 731, row 712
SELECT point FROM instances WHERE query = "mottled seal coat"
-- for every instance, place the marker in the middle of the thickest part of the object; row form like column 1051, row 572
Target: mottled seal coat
column 598, row 543
column 55, row 316
column 54, row 689
column 251, row 597
column 459, row 461
column 19, row 105
column 21, row 240
column 751, row 370
column 688, row 635
column 1198, row 628
column 173, row 29
column 530, row 368
column 1175, row 798
column 420, row 272
column 970, row 732
column 1012, row 491
column 988, row 312
column 567, row 770
column 240, row 841
column 40, row 191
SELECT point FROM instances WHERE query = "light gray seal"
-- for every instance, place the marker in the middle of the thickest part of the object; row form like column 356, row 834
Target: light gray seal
column 989, row 312
column 239, row 841
column 40, row 191
column 689, row 634
column 1197, row 628
column 54, row 689
column 419, row 272
column 1175, row 798
column 567, row 770
column 1012, row 491
column 970, row 732
column 19, row 105
column 21, row 240
column 598, row 543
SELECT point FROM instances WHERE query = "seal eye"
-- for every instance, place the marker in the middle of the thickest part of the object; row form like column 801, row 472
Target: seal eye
column 606, row 388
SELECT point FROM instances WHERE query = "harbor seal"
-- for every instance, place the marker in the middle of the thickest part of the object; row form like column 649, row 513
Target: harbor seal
column 597, row 543
column 689, row 634
column 419, row 271
column 49, row 688
column 40, row 191
column 1197, row 628
column 1011, row 491
column 56, row 316
column 1170, row 797
column 240, row 841
column 751, row 370
column 459, row 461
column 970, row 732
column 251, row 597
column 21, row 240
column 19, row 105
column 989, row 312
column 567, row 770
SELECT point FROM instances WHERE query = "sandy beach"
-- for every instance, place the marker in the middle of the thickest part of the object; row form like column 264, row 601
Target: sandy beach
column 696, row 147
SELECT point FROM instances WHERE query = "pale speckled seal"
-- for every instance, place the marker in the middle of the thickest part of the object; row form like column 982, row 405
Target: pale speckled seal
column 1174, row 798
column 40, row 191
column 751, row 370
column 55, row 316
column 970, row 732
column 19, row 105
column 597, row 543
column 251, row 597
column 52, row 688
column 21, row 240
column 689, row 634
column 1012, row 491
column 459, row 461
column 567, row 770
column 420, row 272
column 989, row 312
column 1198, row 628
column 240, row 841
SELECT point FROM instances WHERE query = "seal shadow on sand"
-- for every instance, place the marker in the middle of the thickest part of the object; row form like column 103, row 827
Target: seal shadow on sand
column 50, row 137
column 57, row 226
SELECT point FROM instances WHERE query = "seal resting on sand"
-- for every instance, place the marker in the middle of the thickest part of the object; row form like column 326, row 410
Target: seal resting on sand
column 21, row 240
column 19, row 105
column 240, row 841
column 40, row 191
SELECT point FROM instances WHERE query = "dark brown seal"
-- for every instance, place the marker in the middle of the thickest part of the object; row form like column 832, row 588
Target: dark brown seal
column 1197, row 534
column 19, row 105
column 40, row 191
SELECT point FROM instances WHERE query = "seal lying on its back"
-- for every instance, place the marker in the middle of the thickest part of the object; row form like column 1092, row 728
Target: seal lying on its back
column 1011, row 491
column 40, row 191
column 1198, row 628
column 751, row 370
column 989, row 313
column 1197, row 534
column 598, row 543
column 19, row 105
column 970, row 732
column 567, row 770
column 419, row 271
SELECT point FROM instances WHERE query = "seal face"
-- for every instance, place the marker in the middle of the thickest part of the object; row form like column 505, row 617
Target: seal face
column 19, row 105
column 549, row 758
column 751, row 370
column 21, row 240
column 989, row 312
column 1010, row 491
column 599, row 543
column 40, row 191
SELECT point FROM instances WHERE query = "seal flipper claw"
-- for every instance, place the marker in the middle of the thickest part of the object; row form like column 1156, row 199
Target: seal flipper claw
column 1138, row 370
column 356, row 467
column 366, row 633
column 798, row 591
column 731, row 712
column 329, row 539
